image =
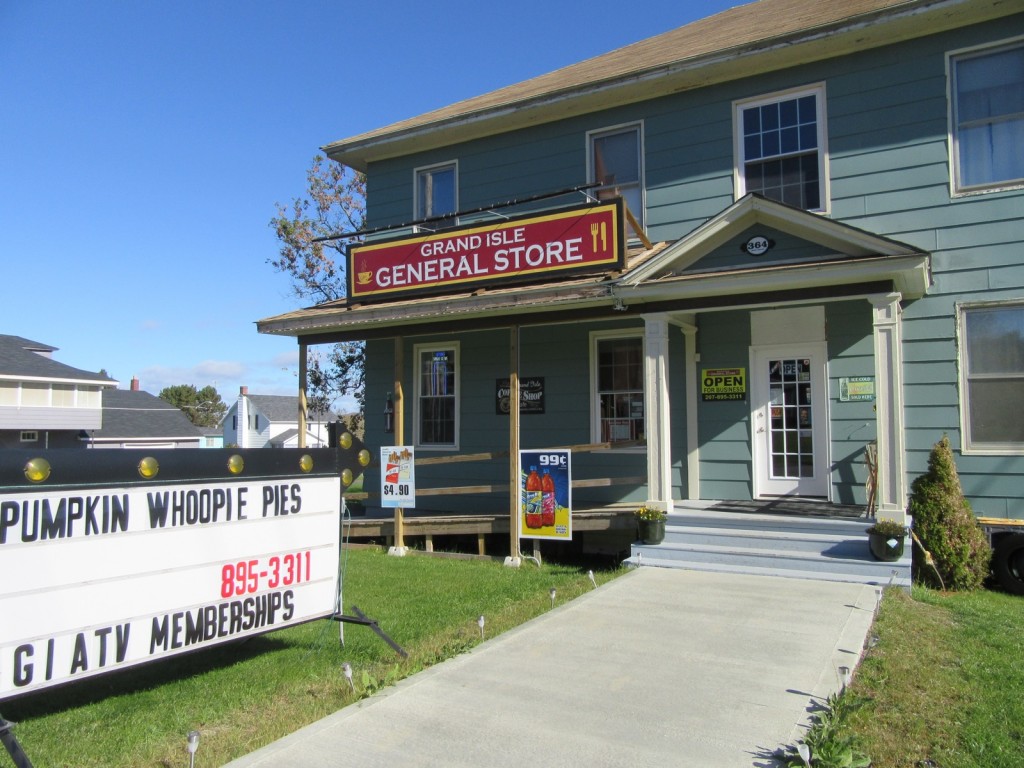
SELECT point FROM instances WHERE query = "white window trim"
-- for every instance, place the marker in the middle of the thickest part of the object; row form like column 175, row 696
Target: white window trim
column 955, row 190
column 418, row 350
column 453, row 164
column 638, row 125
column 29, row 436
column 967, row 447
column 739, row 160
column 595, row 411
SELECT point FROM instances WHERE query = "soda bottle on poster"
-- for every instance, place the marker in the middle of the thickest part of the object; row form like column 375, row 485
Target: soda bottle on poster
column 547, row 496
column 534, row 500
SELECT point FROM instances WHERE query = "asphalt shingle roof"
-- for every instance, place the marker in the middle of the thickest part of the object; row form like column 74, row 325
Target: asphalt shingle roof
column 136, row 414
column 20, row 357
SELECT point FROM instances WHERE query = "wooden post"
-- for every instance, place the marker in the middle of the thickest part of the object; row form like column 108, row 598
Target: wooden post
column 302, row 394
column 514, row 559
column 398, row 547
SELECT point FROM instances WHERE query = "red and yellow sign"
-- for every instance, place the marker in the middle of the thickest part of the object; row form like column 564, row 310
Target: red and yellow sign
column 519, row 249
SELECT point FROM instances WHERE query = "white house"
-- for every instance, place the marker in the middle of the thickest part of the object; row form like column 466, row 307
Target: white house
column 272, row 421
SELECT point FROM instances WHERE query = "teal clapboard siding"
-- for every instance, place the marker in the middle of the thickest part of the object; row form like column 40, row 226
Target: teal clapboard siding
column 888, row 171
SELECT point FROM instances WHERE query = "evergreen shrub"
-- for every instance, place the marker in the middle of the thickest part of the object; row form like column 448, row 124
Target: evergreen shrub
column 947, row 527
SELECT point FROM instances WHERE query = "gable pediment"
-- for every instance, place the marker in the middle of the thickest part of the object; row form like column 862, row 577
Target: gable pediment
column 758, row 234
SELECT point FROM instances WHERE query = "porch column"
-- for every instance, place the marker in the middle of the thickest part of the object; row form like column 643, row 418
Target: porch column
column 888, row 338
column 692, row 387
column 656, row 412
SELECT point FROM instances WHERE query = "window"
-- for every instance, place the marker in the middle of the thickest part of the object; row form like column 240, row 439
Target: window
column 988, row 117
column 616, row 164
column 618, row 376
column 29, row 437
column 780, row 144
column 992, row 377
column 437, row 405
column 437, row 194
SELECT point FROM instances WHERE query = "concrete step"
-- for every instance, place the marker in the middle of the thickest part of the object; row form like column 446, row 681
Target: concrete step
column 833, row 549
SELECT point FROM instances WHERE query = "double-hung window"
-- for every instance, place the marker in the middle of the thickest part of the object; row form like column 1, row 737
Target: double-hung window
column 618, row 387
column 992, row 377
column 437, row 194
column 616, row 165
column 437, row 396
column 987, row 105
column 780, row 148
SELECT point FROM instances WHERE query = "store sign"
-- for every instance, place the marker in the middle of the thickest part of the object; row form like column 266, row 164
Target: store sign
column 94, row 579
column 854, row 388
column 545, row 492
column 723, row 384
column 579, row 239
column 531, row 396
column 397, row 476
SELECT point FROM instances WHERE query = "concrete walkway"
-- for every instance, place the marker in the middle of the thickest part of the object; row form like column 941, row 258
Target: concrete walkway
column 660, row 667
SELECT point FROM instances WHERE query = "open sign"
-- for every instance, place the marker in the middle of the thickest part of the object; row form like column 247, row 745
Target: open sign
column 723, row 383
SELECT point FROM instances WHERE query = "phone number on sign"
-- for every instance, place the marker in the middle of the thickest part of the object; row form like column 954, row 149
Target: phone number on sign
column 248, row 576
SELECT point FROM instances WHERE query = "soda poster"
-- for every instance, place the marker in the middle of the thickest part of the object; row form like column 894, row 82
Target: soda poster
column 397, row 476
column 545, row 491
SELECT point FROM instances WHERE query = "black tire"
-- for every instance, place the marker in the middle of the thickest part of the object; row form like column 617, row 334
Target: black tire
column 1008, row 563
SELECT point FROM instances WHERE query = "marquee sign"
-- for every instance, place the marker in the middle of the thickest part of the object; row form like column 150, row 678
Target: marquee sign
column 96, row 577
column 519, row 249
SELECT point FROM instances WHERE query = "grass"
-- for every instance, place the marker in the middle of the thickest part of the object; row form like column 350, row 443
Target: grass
column 244, row 695
column 945, row 682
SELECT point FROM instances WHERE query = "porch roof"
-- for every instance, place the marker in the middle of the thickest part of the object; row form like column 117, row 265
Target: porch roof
column 664, row 278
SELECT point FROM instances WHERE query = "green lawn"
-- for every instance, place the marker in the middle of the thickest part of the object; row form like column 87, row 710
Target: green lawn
column 945, row 681
column 246, row 694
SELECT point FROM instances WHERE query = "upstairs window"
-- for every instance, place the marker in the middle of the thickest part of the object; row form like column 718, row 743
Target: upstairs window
column 992, row 377
column 780, row 143
column 437, row 405
column 988, row 118
column 616, row 165
column 437, row 194
column 618, row 396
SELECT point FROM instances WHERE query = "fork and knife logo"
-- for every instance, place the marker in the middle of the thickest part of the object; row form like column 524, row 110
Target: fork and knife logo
column 595, row 230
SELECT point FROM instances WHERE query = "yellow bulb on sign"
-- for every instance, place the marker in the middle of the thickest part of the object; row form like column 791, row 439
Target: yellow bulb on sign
column 364, row 458
column 306, row 463
column 37, row 470
column 149, row 467
column 346, row 477
column 236, row 464
column 345, row 440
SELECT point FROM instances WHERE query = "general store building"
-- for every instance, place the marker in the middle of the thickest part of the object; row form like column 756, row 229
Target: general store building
column 815, row 218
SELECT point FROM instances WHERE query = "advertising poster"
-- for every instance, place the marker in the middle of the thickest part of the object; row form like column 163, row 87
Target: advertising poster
column 545, row 490
column 95, row 579
column 397, row 476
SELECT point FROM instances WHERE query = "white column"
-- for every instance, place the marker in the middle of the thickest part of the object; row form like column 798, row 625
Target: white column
column 692, row 385
column 888, row 339
column 656, row 412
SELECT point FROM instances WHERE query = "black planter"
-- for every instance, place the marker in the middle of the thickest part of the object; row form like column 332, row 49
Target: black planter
column 651, row 531
column 883, row 550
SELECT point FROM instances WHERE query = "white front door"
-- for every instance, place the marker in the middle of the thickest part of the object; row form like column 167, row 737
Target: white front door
column 790, row 418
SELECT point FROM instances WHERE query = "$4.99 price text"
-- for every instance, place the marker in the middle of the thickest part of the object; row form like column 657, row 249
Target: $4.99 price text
column 248, row 576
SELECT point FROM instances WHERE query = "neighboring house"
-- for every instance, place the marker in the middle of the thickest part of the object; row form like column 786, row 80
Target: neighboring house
column 43, row 403
column 271, row 421
column 213, row 437
column 833, row 192
column 136, row 419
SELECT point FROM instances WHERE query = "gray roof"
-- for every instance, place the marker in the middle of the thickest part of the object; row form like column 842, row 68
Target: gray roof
column 134, row 414
column 285, row 408
column 23, row 358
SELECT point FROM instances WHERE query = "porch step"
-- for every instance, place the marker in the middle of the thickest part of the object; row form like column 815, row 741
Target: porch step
column 825, row 548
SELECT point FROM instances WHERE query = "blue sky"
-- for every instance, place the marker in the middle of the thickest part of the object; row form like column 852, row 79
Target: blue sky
column 143, row 146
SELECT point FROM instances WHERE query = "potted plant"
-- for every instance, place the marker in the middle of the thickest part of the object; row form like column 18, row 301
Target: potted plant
column 650, row 522
column 885, row 538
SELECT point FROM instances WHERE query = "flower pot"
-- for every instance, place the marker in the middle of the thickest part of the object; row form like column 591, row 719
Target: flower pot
column 887, row 548
column 651, row 531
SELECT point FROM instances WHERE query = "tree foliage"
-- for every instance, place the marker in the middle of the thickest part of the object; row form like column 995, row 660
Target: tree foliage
column 335, row 202
column 946, row 525
column 203, row 407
